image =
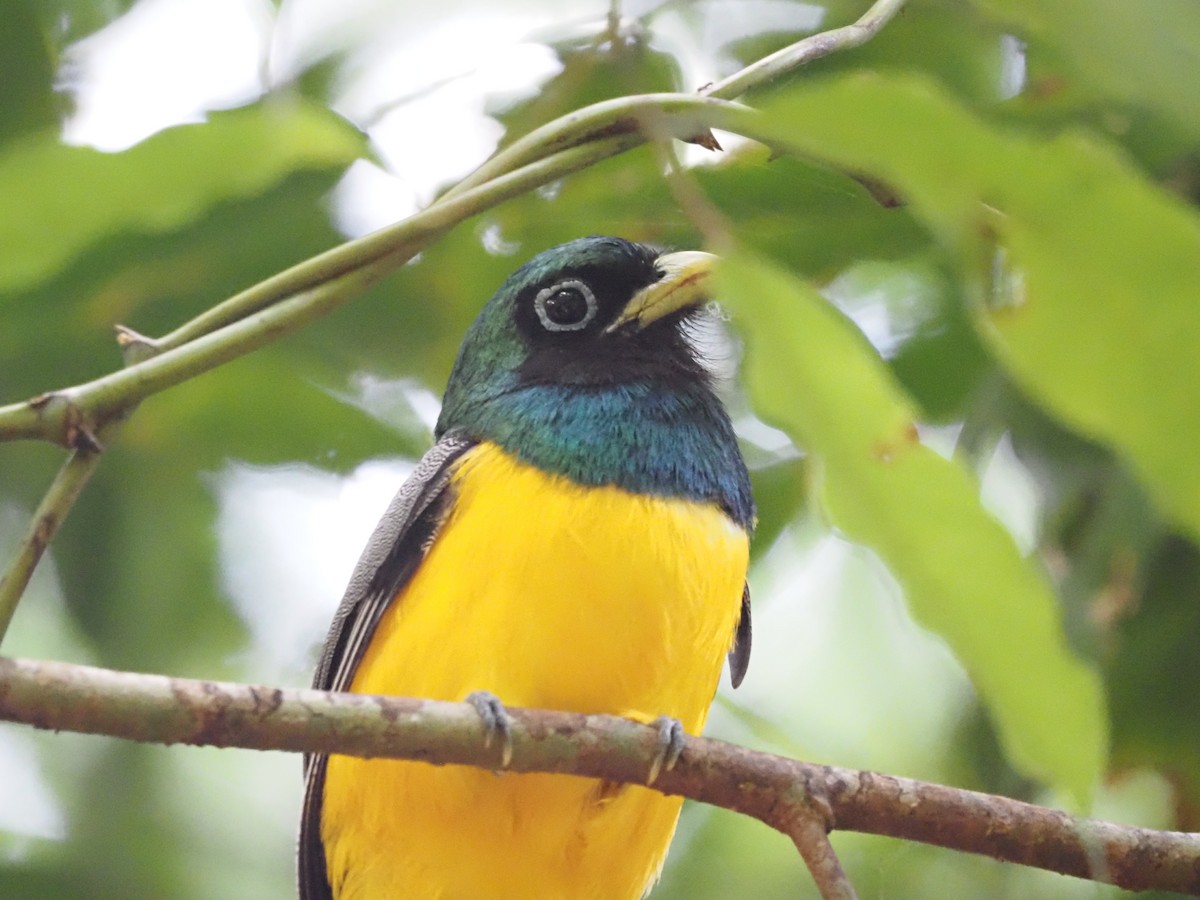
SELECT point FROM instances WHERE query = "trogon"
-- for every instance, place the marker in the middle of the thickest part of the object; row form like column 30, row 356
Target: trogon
column 576, row 539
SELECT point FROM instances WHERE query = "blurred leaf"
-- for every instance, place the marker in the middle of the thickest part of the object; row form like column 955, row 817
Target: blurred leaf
column 945, row 342
column 160, row 609
column 412, row 323
column 1155, row 676
column 780, row 492
column 1141, row 54
column 810, row 370
column 28, row 101
column 60, row 199
column 292, row 413
column 717, row 854
column 942, row 40
column 814, row 219
column 154, row 282
column 1103, row 326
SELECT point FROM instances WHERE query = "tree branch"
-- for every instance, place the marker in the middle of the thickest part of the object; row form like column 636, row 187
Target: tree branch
column 68, row 484
column 568, row 144
column 799, row 799
column 273, row 308
column 810, row 834
column 802, row 52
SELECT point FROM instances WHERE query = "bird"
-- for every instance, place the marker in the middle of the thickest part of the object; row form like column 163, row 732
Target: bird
column 577, row 538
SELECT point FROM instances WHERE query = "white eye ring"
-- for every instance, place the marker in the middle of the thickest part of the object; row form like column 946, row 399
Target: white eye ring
column 539, row 305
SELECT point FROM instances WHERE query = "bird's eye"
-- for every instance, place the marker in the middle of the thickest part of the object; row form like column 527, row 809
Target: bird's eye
column 565, row 306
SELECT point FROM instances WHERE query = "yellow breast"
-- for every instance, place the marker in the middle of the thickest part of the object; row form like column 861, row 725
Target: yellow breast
column 547, row 594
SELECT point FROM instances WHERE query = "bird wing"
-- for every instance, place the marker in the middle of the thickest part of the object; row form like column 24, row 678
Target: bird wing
column 739, row 654
column 400, row 541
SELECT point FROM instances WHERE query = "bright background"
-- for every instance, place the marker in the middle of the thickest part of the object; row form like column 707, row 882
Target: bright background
column 156, row 157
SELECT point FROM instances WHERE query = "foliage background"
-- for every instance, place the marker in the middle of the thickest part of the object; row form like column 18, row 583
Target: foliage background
column 215, row 539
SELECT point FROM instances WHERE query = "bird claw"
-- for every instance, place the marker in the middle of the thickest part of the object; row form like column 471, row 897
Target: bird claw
column 670, row 746
column 497, row 724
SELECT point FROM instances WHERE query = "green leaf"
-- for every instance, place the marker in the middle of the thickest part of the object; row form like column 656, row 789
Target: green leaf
column 59, row 200
column 812, row 372
column 1106, row 264
column 1156, row 674
column 1140, row 54
column 28, row 101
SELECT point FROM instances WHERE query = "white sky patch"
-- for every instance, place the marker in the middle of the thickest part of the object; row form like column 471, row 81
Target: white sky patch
column 288, row 538
column 1010, row 493
column 395, row 401
column 496, row 244
column 888, row 303
column 424, row 104
column 368, row 198
column 487, row 50
column 310, row 30
column 1012, row 66
column 941, row 439
column 424, row 144
column 27, row 805
column 1007, row 488
column 696, row 34
column 164, row 63
column 764, row 436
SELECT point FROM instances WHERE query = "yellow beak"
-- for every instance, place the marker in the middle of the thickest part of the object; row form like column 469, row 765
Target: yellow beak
column 686, row 280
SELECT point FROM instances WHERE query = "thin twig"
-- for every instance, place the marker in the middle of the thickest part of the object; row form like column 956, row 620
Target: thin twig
column 805, row 51
column 182, row 354
column 678, row 115
column 609, row 128
column 75, row 416
column 236, row 328
column 71, row 416
column 594, row 126
column 57, row 502
column 395, row 243
column 706, row 218
column 780, row 792
column 811, row 837
column 628, row 114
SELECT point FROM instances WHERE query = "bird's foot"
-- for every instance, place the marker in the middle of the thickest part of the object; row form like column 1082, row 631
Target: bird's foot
column 670, row 745
column 497, row 724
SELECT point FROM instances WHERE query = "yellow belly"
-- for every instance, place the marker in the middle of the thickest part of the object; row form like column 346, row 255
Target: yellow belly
column 552, row 595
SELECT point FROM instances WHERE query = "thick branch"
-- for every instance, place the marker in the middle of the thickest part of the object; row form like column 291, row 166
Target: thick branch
column 778, row 791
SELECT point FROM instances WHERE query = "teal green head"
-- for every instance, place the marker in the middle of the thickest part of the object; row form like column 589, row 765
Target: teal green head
column 582, row 365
